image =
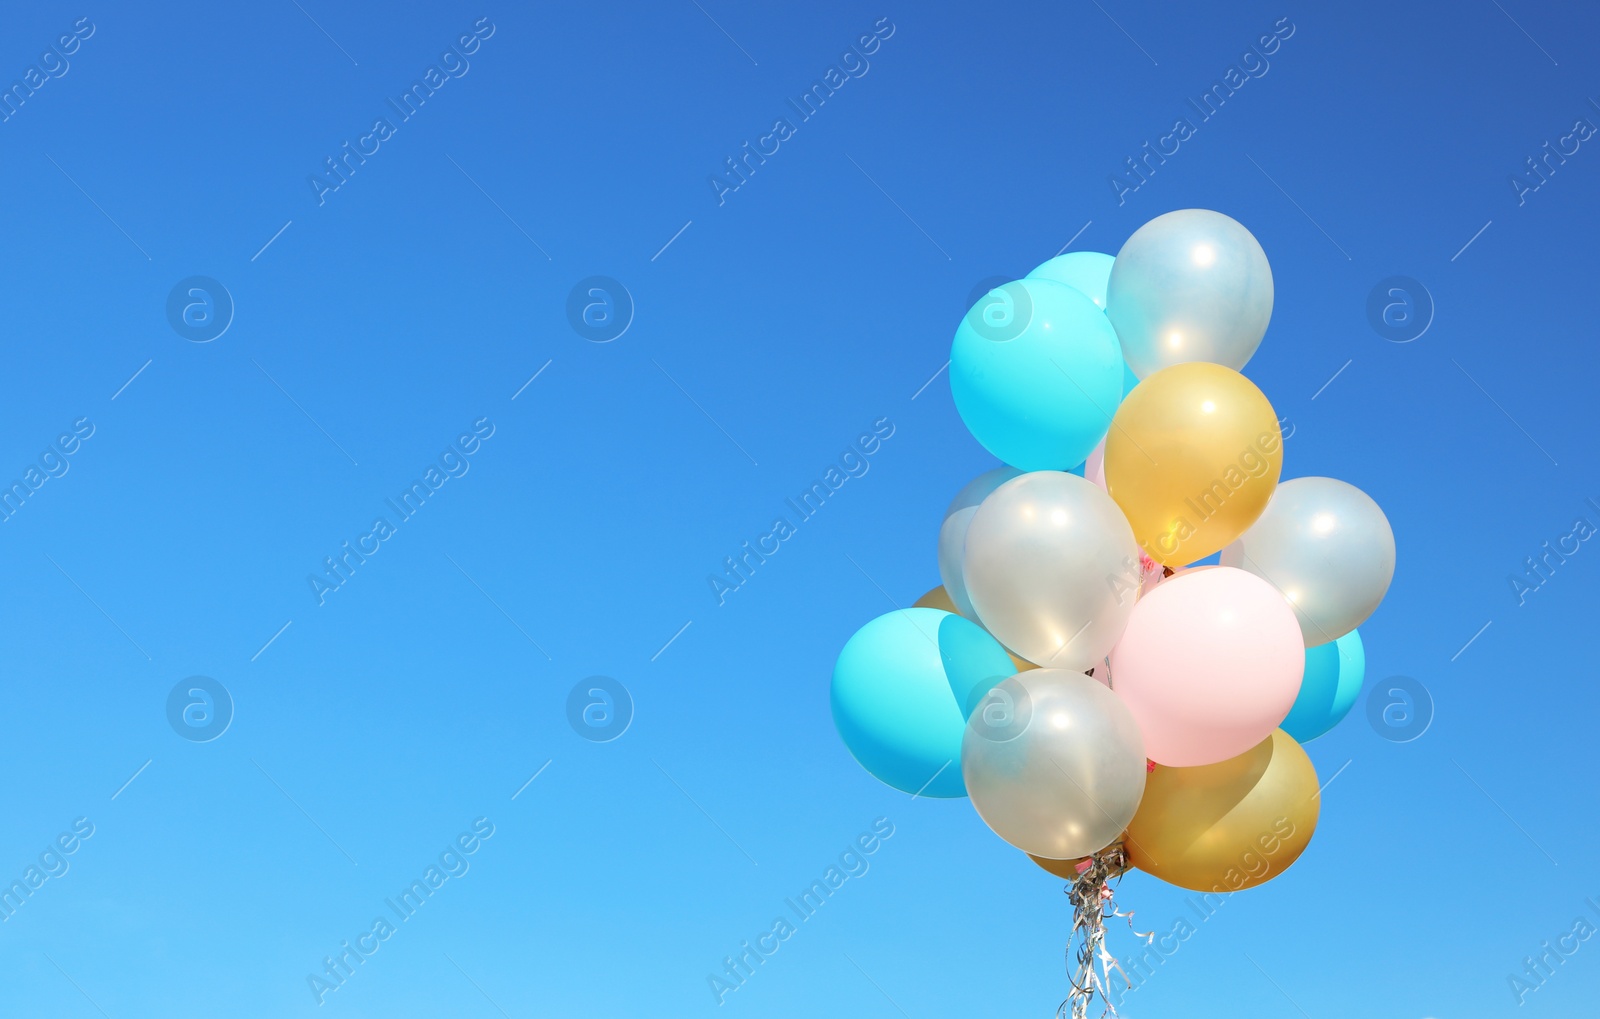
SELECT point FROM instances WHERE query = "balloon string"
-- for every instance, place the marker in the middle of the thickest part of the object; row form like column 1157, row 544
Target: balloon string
column 1093, row 902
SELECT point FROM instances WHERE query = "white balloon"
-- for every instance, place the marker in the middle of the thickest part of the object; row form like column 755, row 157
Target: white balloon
column 1052, row 568
column 1054, row 763
column 953, row 533
column 1192, row 285
column 1327, row 547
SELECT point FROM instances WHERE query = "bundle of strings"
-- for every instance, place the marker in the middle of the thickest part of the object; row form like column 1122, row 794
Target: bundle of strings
column 1093, row 903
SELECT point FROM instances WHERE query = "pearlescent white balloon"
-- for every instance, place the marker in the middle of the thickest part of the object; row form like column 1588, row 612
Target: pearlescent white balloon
column 1328, row 547
column 953, row 532
column 1192, row 285
column 1054, row 763
column 1052, row 569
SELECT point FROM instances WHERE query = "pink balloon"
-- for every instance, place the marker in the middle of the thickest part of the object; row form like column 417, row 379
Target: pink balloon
column 1101, row 672
column 1094, row 468
column 1209, row 665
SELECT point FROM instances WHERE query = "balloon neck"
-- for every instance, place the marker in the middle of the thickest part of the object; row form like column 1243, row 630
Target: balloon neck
column 1094, row 871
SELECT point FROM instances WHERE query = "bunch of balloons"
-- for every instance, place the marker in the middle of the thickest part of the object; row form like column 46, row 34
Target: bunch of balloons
column 1079, row 674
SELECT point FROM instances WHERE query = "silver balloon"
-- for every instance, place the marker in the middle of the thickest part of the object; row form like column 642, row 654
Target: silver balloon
column 1328, row 547
column 1052, row 569
column 1054, row 763
column 953, row 532
column 1192, row 285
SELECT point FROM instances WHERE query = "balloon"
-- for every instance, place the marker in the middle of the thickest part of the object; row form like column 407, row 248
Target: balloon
column 1084, row 271
column 1052, row 569
column 902, row 689
column 1192, row 285
column 1210, row 663
column 953, row 533
column 1053, row 763
column 1036, row 374
column 1094, row 468
column 1334, row 672
column 939, row 598
column 1192, row 457
column 1328, row 547
column 1060, row 868
column 1230, row 825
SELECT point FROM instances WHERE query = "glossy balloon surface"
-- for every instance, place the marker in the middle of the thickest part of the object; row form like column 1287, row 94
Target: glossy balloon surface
column 1054, row 763
column 1192, row 285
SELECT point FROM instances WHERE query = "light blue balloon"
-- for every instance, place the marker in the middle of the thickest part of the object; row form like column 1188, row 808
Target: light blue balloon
column 902, row 690
column 1088, row 272
column 1084, row 271
column 1332, row 683
column 1036, row 373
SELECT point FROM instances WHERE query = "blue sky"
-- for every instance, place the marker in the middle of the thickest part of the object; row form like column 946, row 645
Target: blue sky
column 427, row 298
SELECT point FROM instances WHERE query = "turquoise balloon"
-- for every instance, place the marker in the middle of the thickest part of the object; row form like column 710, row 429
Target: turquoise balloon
column 1332, row 683
column 1036, row 373
column 1085, row 271
column 902, row 690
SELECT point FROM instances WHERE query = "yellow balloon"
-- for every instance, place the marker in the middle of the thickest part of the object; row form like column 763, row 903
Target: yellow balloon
column 939, row 598
column 1230, row 825
column 1067, row 869
column 1192, row 456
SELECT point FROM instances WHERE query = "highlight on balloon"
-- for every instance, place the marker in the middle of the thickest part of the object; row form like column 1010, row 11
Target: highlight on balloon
column 1139, row 620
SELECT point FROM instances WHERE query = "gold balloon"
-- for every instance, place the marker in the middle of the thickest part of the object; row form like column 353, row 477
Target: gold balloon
column 1067, row 869
column 1022, row 664
column 1230, row 825
column 939, row 598
column 1192, row 456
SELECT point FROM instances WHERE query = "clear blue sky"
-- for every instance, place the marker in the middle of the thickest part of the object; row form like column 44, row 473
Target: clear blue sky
column 372, row 330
